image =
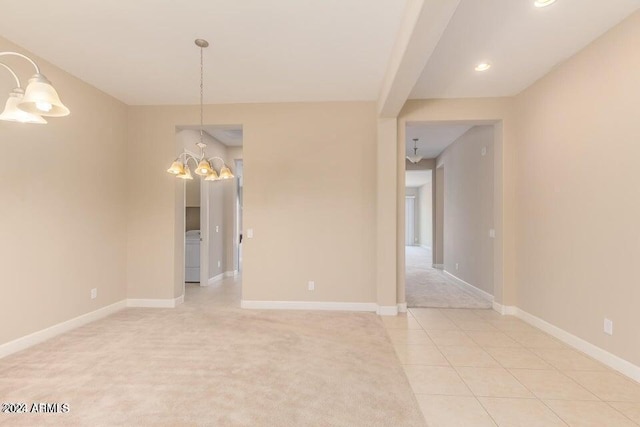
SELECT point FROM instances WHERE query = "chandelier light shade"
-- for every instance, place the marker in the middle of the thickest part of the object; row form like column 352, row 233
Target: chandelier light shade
column 37, row 100
column 12, row 113
column 204, row 168
column 177, row 168
column 186, row 174
column 213, row 176
column 415, row 158
column 225, row 173
column 41, row 98
column 203, row 165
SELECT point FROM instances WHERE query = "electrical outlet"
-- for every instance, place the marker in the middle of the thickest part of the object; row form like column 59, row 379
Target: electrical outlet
column 219, row 264
column 608, row 326
column 492, row 233
column 457, row 266
column 249, row 233
column 312, row 285
column 94, row 293
column 484, row 151
column 217, row 228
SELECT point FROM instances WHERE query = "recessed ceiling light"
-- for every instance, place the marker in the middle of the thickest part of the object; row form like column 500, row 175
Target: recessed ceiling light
column 483, row 66
column 543, row 3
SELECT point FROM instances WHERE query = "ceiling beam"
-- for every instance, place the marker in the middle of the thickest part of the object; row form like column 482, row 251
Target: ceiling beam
column 422, row 26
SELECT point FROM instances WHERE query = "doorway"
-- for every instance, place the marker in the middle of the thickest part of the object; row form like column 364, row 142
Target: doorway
column 211, row 207
column 457, row 270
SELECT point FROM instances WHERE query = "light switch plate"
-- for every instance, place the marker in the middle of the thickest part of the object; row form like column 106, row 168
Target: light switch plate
column 492, row 233
column 94, row 293
column 608, row 326
column 250, row 233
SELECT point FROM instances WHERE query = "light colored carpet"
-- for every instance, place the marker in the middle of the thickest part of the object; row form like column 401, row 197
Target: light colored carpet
column 209, row 363
column 428, row 287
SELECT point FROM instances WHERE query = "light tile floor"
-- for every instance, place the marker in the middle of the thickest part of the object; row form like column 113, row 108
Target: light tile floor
column 477, row 368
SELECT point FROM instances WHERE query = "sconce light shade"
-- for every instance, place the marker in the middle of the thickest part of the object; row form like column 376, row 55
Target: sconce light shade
column 177, row 168
column 213, row 176
column 42, row 99
column 225, row 173
column 204, row 168
column 186, row 174
column 12, row 113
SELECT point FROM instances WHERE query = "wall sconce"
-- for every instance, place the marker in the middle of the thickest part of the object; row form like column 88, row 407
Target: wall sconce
column 37, row 100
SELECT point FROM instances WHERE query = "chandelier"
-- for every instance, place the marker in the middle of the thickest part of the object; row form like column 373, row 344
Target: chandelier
column 37, row 100
column 203, row 165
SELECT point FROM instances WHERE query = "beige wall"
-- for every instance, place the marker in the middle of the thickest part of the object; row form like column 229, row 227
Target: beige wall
column 468, row 207
column 309, row 195
column 63, row 218
column 192, row 192
column 425, row 197
column 414, row 192
column 438, row 222
column 578, row 199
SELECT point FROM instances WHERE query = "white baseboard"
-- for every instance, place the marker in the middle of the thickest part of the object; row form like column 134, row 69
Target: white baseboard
column 467, row 285
column 402, row 307
column 155, row 303
column 387, row 310
column 309, row 305
column 52, row 331
column 505, row 309
column 611, row 360
column 438, row 266
column 391, row 310
column 215, row 278
column 232, row 273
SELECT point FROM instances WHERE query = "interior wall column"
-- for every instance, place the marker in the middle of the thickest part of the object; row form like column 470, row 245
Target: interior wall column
column 386, row 219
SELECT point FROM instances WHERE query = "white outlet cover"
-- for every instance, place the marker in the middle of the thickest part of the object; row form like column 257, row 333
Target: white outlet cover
column 484, row 151
column 457, row 266
column 608, row 326
column 219, row 264
column 217, row 228
column 94, row 293
column 250, row 233
column 492, row 233
column 312, row 285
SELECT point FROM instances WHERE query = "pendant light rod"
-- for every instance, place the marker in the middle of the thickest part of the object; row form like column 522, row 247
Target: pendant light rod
column 201, row 44
column 204, row 168
column 15, row 76
column 24, row 57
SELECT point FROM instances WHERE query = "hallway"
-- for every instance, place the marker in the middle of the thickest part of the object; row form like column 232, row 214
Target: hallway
column 428, row 287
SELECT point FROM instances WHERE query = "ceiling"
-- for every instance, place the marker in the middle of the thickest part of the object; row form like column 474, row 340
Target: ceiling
column 142, row 51
column 522, row 43
column 229, row 135
column 432, row 138
column 417, row 178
